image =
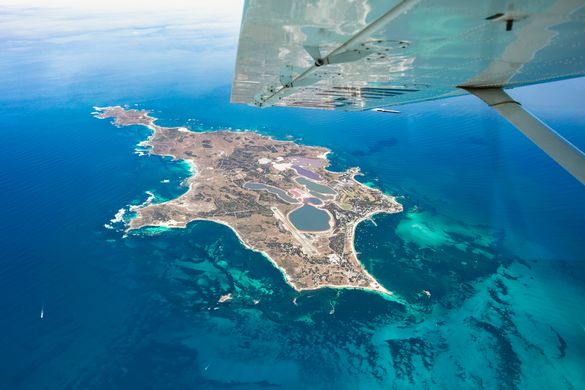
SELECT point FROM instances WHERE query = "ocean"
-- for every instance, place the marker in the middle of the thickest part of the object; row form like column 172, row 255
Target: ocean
column 488, row 253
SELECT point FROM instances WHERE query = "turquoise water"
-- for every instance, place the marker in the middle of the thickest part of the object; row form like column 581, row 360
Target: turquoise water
column 309, row 218
column 488, row 253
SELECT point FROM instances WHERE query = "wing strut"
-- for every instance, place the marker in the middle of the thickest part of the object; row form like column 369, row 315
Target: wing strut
column 553, row 144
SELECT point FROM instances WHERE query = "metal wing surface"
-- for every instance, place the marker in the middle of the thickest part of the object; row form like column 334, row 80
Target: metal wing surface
column 362, row 54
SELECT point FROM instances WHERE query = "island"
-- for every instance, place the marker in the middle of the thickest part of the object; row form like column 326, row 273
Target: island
column 277, row 196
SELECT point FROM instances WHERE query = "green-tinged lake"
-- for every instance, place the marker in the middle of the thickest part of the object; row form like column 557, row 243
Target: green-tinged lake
column 309, row 218
column 315, row 187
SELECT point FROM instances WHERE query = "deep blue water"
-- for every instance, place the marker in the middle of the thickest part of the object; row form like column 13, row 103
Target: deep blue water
column 492, row 229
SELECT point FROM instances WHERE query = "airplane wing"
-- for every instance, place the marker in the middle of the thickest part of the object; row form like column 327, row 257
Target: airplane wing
column 362, row 54
column 355, row 55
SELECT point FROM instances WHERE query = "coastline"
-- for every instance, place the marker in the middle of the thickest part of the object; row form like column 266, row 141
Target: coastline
column 378, row 288
column 385, row 293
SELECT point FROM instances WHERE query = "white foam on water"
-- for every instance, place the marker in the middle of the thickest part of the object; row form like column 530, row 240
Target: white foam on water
column 119, row 216
column 148, row 201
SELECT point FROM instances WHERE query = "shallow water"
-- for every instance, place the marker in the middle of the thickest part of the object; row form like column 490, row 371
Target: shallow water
column 315, row 201
column 309, row 218
column 281, row 194
column 307, row 173
column 315, row 187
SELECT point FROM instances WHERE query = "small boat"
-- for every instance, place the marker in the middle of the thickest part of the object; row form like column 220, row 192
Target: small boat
column 386, row 111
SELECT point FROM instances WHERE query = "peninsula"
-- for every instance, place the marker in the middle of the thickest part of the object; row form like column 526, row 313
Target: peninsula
column 277, row 196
